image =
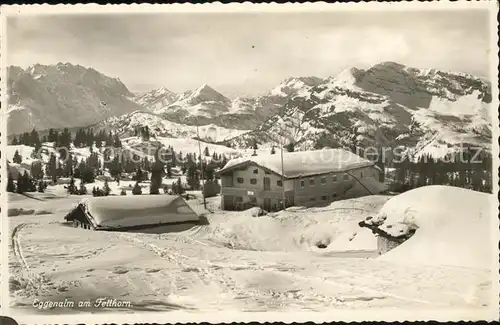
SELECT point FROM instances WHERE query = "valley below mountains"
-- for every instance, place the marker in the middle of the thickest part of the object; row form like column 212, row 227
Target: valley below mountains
column 388, row 105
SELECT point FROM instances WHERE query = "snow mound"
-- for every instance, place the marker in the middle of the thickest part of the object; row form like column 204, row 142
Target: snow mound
column 329, row 229
column 452, row 226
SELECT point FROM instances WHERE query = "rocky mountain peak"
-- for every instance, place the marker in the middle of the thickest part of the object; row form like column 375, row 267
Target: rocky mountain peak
column 205, row 93
column 63, row 95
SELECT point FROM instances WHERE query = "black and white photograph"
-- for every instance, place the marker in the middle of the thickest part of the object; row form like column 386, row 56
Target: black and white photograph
column 313, row 159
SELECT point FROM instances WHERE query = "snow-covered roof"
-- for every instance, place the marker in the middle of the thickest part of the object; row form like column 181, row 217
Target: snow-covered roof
column 124, row 211
column 303, row 163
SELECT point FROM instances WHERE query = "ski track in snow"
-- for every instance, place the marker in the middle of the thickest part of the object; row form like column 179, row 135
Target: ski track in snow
column 188, row 270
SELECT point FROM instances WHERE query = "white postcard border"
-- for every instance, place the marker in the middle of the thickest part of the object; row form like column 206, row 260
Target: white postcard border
column 386, row 314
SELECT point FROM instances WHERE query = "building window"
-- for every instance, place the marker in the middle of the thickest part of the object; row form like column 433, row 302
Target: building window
column 239, row 180
column 255, row 171
column 313, row 199
column 302, row 183
column 267, row 172
column 253, row 181
column 253, row 200
column 323, row 180
column 334, row 195
column 334, row 178
column 323, row 197
column 346, row 177
column 311, row 181
column 279, row 183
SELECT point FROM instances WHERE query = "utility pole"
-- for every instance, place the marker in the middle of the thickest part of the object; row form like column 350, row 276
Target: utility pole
column 201, row 167
column 282, row 164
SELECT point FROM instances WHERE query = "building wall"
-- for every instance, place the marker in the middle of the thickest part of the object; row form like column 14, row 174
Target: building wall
column 334, row 187
column 248, row 193
column 384, row 245
column 320, row 192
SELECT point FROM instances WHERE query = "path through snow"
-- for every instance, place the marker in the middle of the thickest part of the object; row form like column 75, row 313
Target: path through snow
column 195, row 270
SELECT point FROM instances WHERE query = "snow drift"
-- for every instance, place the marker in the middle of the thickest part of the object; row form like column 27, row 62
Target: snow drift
column 452, row 226
column 328, row 229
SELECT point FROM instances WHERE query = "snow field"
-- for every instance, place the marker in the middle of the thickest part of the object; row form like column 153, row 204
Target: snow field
column 196, row 269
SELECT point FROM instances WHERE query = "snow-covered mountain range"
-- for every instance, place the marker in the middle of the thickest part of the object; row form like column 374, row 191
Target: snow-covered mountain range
column 389, row 104
column 63, row 95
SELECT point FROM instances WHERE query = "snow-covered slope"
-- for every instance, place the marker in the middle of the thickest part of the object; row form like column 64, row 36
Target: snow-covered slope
column 453, row 227
column 46, row 150
column 203, row 102
column 334, row 228
column 63, row 95
column 160, row 126
column 156, row 98
column 148, row 148
column 295, row 85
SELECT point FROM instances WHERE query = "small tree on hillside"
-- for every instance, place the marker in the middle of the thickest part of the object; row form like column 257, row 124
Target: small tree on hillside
column 11, row 187
column 41, row 187
column 123, row 192
column 71, row 186
column 193, row 178
column 169, row 170
column 82, row 190
column 273, row 151
column 179, row 189
column 254, row 147
column 17, row 157
column 36, row 170
column 106, row 189
column 290, row 147
column 137, row 189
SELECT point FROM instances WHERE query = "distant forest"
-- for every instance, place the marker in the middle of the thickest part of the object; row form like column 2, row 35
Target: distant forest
column 467, row 169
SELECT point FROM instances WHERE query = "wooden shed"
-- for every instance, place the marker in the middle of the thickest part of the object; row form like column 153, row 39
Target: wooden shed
column 124, row 212
column 385, row 241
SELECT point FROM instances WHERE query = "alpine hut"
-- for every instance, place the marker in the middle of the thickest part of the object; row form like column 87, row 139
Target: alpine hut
column 304, row 178
column 123, row 213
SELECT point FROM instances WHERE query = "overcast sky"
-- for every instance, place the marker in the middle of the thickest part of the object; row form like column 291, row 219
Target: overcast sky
column 247, row 54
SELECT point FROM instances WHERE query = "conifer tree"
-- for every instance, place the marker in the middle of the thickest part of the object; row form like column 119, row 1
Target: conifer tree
column 254, row 147
column 72, row 187
column 290, row 147
column 21, row 183
column 11, row 187
column 116, row 142
column 68, row 166
column 51, row 168
column 14, row 141
column 169, row 170
column 82, row 190
column 193, row 178
column 17, row 157
column 180, row 189
column 106, row 189
column 41, row 187
column 37, row 170
column 273, row 151
column 137, row 189
column 157, row 173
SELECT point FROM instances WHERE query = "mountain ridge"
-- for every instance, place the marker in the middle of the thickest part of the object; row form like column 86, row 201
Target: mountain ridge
column 63, row 95
column 386, row 104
